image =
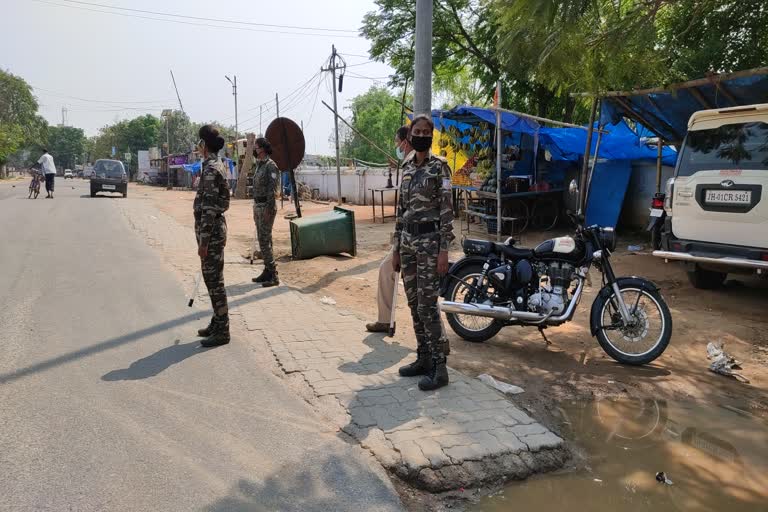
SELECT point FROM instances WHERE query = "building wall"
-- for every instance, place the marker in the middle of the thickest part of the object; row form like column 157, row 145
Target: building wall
column 642, row 187
column 355, row 183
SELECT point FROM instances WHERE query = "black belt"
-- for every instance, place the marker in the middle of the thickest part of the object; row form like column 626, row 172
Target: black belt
column 421, row 228
column 260, row 199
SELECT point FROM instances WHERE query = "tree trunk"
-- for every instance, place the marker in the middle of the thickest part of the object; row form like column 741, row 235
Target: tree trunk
column 543, row 99
column 570, row 106
column 3, row 173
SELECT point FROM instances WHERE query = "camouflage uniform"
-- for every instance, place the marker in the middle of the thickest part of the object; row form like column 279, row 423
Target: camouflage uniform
column 424, row 228
column 265, row 180
column 211, row 201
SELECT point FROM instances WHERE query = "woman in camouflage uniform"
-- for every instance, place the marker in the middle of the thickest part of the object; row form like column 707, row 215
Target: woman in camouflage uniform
column 423, row 232
column 265, row 180
column 211, row 201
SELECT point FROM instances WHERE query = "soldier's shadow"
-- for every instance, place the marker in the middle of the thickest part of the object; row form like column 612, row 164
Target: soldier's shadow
column 153, row 364
column 384, row 355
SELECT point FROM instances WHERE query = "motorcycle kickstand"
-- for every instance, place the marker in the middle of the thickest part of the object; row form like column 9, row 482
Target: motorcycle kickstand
column 541, row 331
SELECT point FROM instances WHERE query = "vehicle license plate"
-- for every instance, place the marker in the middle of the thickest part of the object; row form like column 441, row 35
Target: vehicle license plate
column 728, row 196
column 108, row 187
column 656, row 212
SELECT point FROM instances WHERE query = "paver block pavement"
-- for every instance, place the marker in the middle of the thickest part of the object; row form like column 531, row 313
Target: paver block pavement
column 463, row 435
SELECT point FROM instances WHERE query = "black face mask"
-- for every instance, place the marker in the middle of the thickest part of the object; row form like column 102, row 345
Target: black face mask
column 421, row 143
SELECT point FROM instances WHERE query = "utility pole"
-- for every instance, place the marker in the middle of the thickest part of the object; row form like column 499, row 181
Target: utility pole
column 422, row 72
column 260, row 131
column 234, row 93
column 332, row 67
column 63, row 116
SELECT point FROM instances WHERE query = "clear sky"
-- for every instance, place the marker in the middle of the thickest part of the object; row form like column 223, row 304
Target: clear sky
column 120, row 62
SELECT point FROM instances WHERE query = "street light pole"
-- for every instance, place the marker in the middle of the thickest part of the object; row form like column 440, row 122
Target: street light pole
column 234, row 93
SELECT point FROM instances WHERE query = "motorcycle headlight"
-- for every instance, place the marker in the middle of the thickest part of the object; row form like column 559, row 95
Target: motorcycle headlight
column 608, row 239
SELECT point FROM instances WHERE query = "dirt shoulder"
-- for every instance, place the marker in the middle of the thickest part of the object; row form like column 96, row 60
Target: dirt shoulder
column 573, row 367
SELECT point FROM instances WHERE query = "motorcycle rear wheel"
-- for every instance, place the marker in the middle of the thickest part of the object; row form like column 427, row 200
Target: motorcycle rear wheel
column 476, row 329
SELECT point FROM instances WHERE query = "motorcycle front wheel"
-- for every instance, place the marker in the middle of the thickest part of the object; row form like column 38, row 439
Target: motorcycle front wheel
column 469, row 327
column 646, row 336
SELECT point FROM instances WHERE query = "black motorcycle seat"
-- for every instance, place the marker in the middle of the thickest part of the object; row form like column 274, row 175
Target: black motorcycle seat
column 513, row 253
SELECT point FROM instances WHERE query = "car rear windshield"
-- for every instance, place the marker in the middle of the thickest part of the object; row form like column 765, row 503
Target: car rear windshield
column 109, row 169
column 731, row 146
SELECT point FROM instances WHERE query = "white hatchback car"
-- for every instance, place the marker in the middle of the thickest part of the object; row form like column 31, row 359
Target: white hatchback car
column 717, row 217
column 68, row 174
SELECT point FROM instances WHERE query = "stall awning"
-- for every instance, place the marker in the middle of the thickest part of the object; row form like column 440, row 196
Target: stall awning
column 474, row 115
column 619, row 142
column 666, row 110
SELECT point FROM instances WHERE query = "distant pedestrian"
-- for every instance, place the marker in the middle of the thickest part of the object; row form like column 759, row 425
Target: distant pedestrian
column 265, row 181
column 423, row 232
column 49, row 169
column 211, row 201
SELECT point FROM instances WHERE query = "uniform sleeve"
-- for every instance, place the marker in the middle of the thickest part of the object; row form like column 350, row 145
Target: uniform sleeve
column 446, row 209
column 214, row 202
column 273, row 179
column 399, row 219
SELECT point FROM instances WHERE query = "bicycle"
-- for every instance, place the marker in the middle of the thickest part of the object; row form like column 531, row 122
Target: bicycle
column 34, row 186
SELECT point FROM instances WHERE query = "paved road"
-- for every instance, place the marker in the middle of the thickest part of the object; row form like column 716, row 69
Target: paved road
column 107, row 402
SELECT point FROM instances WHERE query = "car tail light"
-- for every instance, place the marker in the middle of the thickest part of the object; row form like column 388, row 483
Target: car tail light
column 657, row 201
column 670, row 188
column 764, row 256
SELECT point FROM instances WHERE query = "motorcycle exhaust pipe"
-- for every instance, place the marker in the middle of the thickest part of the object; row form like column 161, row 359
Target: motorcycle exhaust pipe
column 500, row 313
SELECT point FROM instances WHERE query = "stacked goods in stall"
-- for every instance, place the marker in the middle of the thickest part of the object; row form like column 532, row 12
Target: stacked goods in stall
column 475, row 143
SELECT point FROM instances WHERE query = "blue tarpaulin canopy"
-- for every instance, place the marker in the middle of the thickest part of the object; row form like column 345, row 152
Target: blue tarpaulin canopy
column 666, row 111
column 619, row 142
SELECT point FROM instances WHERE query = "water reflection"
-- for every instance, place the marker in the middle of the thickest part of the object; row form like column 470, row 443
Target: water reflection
column 716, row 458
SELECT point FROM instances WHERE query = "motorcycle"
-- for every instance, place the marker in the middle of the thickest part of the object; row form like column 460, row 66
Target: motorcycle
column 500, row 284
column 656, row 220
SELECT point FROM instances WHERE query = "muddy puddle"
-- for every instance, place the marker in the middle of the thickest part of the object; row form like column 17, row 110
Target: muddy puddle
column 716, row 458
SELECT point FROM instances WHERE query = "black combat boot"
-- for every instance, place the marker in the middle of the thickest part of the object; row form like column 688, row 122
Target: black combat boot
column 446, row 347
column 421, row 366
column 220, row 333
column 270, row 280
column 206, row 331
column 262, row 277
column 437, row 376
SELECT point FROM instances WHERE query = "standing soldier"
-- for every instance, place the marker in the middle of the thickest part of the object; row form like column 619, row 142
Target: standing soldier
column 423, row 232
column 211, row 201
column 265, row 180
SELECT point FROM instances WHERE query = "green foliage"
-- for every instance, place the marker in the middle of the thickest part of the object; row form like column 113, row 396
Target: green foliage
column 699, row 36
column 375, row 114
column 67, row 145
column 19, row 122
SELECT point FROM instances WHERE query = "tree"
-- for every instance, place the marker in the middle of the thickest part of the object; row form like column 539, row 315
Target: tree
column 465, row 44
column 19, row 122
column 701, row 36
column 67, row 145
column 375, row 114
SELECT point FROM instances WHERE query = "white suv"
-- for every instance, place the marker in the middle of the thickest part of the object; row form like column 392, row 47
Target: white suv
column 717, row 218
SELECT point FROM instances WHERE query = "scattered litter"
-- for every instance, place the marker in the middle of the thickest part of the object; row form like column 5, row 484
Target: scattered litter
column 327, row 300
column 508, row 389
column 662, row 478
column 597, row 480
column 723, row 363
column 635, row 248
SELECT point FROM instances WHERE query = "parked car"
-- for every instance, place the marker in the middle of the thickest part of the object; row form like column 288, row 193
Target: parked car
column 109, row 176
column 68, row 174
column 717, row 217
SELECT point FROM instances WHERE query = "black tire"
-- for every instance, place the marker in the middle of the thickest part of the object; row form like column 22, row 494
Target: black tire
column 125, row 194
column 706, row 279
column 475, row 336
column 93, row 193
column 602, row 301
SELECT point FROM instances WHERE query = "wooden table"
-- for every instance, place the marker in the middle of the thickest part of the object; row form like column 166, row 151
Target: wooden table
column 373, row 203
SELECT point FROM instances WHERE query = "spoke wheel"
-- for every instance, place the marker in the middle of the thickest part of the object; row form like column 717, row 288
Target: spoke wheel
column 470, row 327
column 645, row 336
